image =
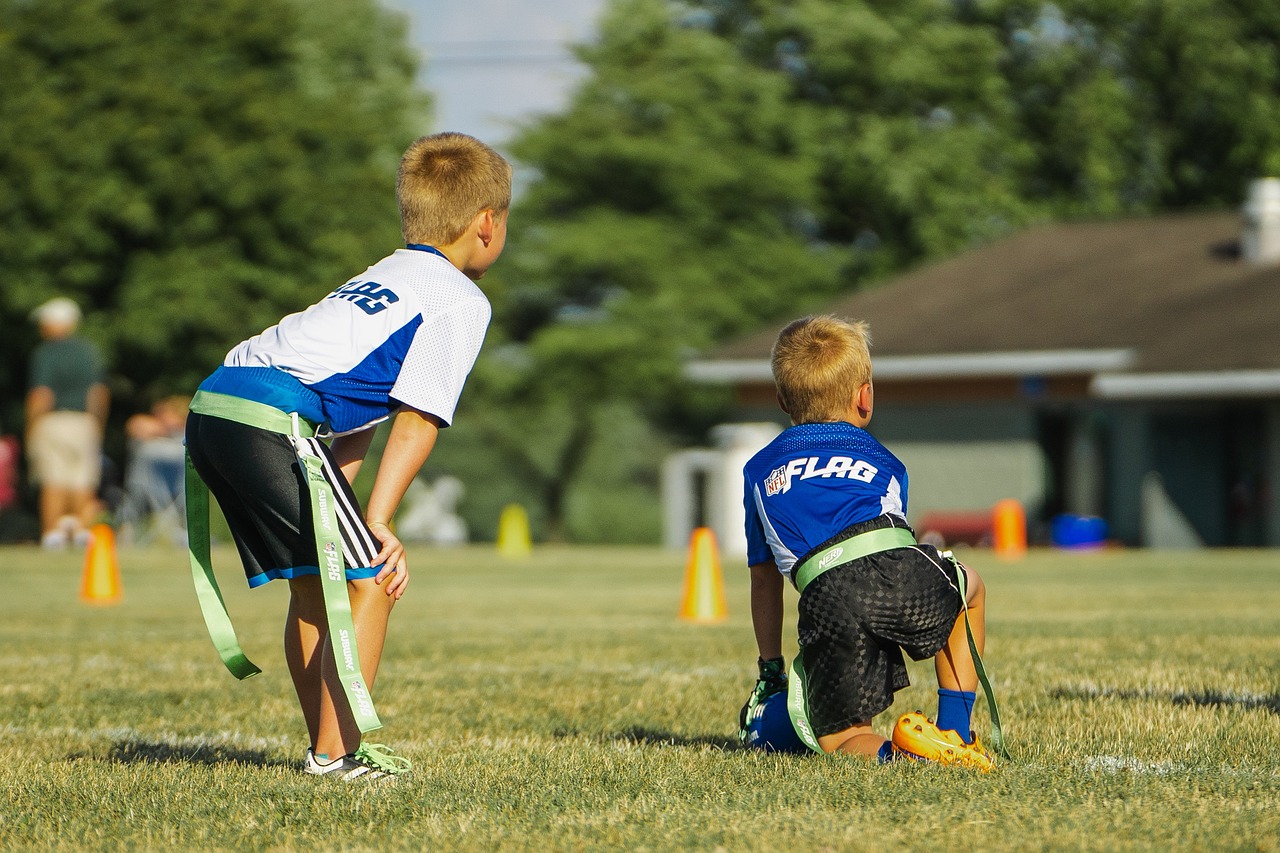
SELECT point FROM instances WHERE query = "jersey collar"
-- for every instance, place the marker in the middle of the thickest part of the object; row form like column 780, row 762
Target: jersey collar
column 423, row 247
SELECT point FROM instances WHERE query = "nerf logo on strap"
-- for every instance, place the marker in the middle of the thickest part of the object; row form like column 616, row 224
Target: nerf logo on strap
column 804, row 468
column 369, row 296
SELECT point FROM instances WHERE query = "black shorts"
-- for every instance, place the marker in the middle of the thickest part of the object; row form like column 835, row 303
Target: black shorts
column 856, row 620
column 262, row 490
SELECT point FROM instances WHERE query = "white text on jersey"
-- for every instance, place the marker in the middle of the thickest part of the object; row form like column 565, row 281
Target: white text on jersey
column 779, row 480
column 369, row 296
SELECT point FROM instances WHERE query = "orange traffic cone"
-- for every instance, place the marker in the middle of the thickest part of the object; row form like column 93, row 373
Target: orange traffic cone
column 703, row 583
column 100, row 583
column 1009, row 530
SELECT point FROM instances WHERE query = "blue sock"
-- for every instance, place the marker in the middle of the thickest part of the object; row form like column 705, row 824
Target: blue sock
column 955, row 711
column 886, row 752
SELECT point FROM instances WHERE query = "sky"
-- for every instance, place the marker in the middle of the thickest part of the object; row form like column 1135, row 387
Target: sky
column 493, row 64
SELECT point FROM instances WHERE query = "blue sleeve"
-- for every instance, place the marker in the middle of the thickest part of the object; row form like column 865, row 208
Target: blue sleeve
column 757, row 548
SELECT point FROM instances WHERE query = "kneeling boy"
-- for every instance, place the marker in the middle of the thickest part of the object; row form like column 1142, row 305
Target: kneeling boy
column 823, row 492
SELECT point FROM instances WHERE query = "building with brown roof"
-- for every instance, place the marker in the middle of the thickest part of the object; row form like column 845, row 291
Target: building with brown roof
column 1127, row 370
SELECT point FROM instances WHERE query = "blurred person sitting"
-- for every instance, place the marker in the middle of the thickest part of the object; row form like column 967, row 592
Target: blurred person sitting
column 66, row 411
column 153, row 486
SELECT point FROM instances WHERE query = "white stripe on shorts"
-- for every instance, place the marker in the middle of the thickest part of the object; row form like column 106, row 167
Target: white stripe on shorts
column 358, row 545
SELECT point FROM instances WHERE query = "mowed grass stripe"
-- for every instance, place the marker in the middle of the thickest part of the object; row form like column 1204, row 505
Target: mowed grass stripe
column 558, row 703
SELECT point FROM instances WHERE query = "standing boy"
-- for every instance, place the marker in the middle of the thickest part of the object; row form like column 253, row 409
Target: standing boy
column 396, row 341
column 826, row 507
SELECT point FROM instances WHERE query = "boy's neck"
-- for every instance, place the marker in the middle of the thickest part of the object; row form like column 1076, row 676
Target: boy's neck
column 860, row 423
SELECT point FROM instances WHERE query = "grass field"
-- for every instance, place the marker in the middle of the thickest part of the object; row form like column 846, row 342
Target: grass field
column 559, row 704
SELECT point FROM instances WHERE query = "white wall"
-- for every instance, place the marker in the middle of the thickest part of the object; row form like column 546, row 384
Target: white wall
column 720, row 469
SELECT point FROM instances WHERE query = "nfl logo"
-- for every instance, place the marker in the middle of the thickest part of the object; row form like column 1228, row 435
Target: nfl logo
column 776, row 482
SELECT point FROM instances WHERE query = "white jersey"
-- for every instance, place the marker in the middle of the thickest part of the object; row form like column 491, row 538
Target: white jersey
column 407, row 330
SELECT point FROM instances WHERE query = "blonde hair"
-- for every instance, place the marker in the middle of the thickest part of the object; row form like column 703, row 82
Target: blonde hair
column 444, row 181
column 818, row 364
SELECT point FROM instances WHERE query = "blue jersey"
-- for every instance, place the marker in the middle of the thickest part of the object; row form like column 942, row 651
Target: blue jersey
column 812, row 482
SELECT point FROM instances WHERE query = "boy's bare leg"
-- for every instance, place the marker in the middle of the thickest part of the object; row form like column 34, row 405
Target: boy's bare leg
column 859, row 739
column 954, row 664
column 337, row 733
column 304, row 631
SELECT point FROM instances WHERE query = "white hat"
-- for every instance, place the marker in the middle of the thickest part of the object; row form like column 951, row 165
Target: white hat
column 59, row 311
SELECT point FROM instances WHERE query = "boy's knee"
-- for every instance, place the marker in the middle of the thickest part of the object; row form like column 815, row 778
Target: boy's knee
column 367, row 592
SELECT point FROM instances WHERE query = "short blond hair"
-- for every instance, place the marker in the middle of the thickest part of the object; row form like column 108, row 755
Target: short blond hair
column 445, row 180
column 818, row 364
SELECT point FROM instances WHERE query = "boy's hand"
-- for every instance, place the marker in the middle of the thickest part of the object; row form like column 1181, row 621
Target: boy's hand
column 392, row 560
column 772, row 679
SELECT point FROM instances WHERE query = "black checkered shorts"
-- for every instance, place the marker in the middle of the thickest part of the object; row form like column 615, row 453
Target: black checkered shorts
column 856, row 620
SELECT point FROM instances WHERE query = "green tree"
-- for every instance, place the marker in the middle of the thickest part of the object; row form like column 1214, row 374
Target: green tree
column 189, row 175
column 918, row 143
column 672, row 207
column 727, row 163
column 1141, row 105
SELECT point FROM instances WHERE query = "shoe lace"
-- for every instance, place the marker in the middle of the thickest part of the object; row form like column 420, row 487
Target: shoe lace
column 383, row 757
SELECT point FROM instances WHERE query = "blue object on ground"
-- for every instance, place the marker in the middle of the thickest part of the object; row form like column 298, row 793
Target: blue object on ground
column 770, row 727
column 1078, row 531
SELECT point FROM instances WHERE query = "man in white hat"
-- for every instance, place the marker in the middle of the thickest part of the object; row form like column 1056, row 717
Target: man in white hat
column 66, row 413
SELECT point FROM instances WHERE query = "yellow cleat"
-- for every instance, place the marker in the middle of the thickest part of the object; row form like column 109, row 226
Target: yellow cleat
column 916, row 736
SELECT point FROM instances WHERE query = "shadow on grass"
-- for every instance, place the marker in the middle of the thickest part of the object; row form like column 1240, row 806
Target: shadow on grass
column 159, row 752
column 1207, row 698
column 656, row 737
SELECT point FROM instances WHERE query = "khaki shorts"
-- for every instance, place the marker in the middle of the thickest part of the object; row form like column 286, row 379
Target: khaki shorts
column 65, row 449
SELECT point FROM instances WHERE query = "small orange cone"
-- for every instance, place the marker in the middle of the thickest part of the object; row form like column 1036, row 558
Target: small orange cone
column 100, row 583
column 1009, row 530
column 703, row 583
column 514, row 541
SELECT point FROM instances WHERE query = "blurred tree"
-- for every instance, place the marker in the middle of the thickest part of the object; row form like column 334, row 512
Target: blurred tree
column 191, row 174
column 672, row 206
column 730, row 162
column 917, row 139
column 1134, row 106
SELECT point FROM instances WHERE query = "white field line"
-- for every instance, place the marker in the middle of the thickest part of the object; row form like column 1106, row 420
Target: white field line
column 236, row 739
column 1114, row 764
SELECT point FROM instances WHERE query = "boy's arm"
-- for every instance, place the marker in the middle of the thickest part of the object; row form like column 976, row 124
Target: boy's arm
column 350, row 450
column 766, row 619
column 39, row 404
column 766, row 609
column 98, row 403
column 413, row 435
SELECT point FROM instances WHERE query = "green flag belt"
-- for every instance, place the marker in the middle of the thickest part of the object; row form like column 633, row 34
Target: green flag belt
column 855, row 548
column 329, row 559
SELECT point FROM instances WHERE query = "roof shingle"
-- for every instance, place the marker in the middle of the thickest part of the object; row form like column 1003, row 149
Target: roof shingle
column 1172, row 288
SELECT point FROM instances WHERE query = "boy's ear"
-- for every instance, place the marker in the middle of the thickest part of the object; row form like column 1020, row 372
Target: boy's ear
column 864, row 400
column 485, row 224
column 782, row 404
